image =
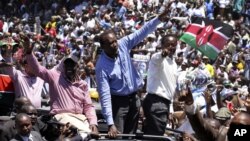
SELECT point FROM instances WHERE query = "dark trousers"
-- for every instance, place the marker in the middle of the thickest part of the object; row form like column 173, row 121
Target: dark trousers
column 156, row 111
column 126, row 112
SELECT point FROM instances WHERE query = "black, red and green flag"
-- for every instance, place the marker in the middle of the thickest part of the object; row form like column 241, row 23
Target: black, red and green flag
column 207, row 36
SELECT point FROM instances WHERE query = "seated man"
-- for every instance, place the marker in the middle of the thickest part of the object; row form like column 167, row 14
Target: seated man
column 70, row 99
column 9, row 128
column 23, row 126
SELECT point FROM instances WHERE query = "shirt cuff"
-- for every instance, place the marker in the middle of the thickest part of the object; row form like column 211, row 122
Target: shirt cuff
column 191, row 109
column 110, row 120
column 94, row 122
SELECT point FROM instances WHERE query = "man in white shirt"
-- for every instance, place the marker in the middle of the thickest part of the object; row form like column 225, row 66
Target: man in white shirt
column 161, row 86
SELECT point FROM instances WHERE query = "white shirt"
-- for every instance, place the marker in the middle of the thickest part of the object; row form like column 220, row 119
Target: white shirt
column 162, row 76
column 200, row 12
column 91, row 23
column 224, row 3
column 25, row 138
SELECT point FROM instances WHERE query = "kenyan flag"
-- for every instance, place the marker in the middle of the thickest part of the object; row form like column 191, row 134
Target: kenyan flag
column 207, row 36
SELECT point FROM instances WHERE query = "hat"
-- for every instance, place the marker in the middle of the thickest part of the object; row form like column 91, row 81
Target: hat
column 74, row 56
column 205, row 57
column 227, row 83
column 151, row 36
column 223, row 114
column 6, row 42
column 54, row 121
column 225, row 93
column 96, row 6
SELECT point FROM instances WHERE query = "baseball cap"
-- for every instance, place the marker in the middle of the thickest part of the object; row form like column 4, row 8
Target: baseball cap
column 74, row 56
column 223, row 114
column 225, row 93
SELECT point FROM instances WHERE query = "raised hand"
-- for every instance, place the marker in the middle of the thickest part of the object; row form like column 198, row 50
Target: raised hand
column 164, row 53
column 187, row 96
column 207, row 95
column 26, row 43
column 164, row 15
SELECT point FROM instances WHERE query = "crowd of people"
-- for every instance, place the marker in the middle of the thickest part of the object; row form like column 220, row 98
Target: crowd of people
column 126, row 56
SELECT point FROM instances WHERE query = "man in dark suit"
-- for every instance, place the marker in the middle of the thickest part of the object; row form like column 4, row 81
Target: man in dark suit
column 23, row 126
column 9, row 129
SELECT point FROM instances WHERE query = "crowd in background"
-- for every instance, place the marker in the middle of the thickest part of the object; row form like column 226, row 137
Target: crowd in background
column 56, row 29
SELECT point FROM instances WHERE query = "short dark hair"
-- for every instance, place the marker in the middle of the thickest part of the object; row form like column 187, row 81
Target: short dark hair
column 20, row 116
column 103, row 36
column 165, row 38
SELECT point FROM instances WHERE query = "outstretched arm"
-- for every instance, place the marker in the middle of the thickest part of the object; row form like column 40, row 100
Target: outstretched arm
column 133, row 39
column 38, row 69
column 199, row 125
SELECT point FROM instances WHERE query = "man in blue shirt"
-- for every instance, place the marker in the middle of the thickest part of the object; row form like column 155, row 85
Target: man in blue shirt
column 117, row 79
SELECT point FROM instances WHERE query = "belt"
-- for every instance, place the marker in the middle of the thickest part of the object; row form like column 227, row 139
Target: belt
column 159, row 97
column 125, row 96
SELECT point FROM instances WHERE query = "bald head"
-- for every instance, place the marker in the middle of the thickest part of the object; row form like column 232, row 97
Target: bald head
column 27, row 107
column 242, row 118
column 19, row 102
column 21, row 116
column 241, row 121
column 214, row 123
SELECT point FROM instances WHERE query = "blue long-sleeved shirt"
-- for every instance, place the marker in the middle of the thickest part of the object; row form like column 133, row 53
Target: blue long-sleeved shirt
column 119, row 76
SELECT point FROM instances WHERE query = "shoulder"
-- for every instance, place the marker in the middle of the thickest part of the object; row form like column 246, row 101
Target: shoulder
column 9, row 124
column 36, row 135
column 156, row 56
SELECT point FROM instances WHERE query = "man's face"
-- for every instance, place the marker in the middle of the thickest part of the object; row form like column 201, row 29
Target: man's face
column 110, row 46
column 240, row 121
column 28, row 70
column 24, row 126
column 170, row 45
column 70, row 68
column 32, row 112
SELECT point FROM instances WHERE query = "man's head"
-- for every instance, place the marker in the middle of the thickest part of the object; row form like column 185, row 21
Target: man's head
column 23, row 124
column 205, row 59
column 179, row 59
column 240, row 121
column 168, row 45
column 70, row 68
column 223, row 115
column 71, row 65
column 214, row 123
column 27, row 68
column 31, row 111
column 19, row 102
column 108, row 41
